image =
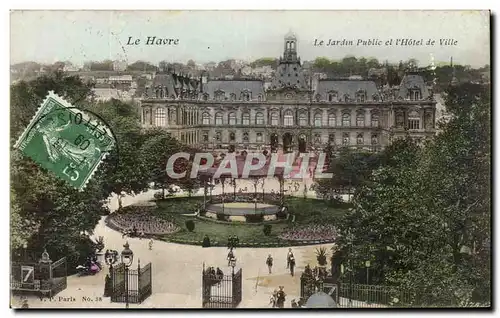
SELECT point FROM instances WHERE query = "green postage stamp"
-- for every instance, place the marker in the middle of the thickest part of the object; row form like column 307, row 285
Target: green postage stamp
column 66, row 141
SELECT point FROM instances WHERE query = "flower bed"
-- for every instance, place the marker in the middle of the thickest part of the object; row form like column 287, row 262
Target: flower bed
column 313, row 232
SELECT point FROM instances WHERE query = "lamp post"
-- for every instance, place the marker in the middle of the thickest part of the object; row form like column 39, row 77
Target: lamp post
column 127, row 259
column 25, row 247
column 213, row 143
column 232, row 263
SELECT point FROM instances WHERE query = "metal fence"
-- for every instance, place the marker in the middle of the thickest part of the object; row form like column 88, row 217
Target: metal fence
column 134, row 284
column 221, row 291
column 362, row 296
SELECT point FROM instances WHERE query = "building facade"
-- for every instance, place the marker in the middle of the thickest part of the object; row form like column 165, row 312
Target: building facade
column 294, row 112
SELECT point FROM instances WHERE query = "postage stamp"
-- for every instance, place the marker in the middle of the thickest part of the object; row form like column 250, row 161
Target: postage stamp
column 66, row 141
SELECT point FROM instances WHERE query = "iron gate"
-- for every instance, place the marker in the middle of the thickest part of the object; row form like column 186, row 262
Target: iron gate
column 139, row 282
column 219, row 290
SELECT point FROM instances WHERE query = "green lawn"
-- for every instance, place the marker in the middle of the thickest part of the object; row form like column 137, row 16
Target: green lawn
column 306, row 211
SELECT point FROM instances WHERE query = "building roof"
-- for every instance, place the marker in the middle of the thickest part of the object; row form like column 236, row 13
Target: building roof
column 320, row 300
column 289, row 75
column 349, row 87
column 413, row 81
column 236, row 87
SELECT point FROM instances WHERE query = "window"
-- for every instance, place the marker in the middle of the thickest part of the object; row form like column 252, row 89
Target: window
column 218, row 119
column 205, row 136
column 346, row 119
column 274, row 119
column 374, row 119
column 360, row 119
column 374, row 139
column 318, row 97
column 259, row 98
column 413, row 120
column 259, row 137
column 317, row 138
column 345, row 139
column 360, row 140
column 259, row 119
column 219, row 96
column 206, row 118
column 246, row 119
column 218, row 136
column 360, row 96
column 288, row 118
column 331, row 139
column 332, row 97
column 346, row 98
column 414, row 94
column 232, row 96
column 317, row 120
column 245, row 96
column 245, row 137
column 232, row 136
column 400, row 120
column 160, row 117
column 332, row 120
column 232, row 119
column 302, row 119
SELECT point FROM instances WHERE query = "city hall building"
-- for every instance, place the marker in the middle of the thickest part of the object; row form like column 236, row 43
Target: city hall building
column 294, row 112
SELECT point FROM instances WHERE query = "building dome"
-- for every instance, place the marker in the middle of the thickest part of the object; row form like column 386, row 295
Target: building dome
column 320, row 300
column 290, row 36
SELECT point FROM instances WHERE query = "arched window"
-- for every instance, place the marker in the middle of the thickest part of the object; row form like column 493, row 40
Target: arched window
column 245, row 137
column 232, row 136
column 345, row 139
column 414, row 120
column 374, row 119
column 259, row 119
column 332, row 96
column 204, row 96
column 259, row 137
column 160, row 117
column 206, row 118
column 245, row 96
column 318, row 97
column 259, row 97
column 232, row 119
column 274, row 119
column 360, row 119
column 288, row 118
column 374, row 139
column 360, row 140
column 205, row 136
column 317, row 120
column 332, row 120
column 218, row 136
column 245, row 119
column 232, row 96
column 360, row 96
column 219, row 96
column 346, row 119
column 218, row 119
column 302, row 119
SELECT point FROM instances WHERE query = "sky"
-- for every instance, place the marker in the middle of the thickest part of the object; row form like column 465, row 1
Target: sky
column 79, row 36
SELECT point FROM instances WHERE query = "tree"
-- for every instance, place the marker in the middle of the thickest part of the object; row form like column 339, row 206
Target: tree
column 141, row 66
column 46, row 212
column 155, row 151
column 423, row 219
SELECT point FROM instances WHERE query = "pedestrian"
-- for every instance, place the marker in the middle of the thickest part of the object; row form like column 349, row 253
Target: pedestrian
column 288, row 257
column 269, row 263
column 150, row 244
column 292, row 265
column 281, row 297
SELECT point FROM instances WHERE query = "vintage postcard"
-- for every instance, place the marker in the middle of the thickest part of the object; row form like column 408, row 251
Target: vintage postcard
column 250, row 159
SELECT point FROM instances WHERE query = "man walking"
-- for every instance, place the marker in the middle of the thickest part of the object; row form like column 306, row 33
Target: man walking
column 269, row 263
column 288, row 257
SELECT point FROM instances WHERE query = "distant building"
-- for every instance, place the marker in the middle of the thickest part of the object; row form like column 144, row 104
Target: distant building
column 288, row 112
column 120, row 79
column 69, row 67
column 119, row 66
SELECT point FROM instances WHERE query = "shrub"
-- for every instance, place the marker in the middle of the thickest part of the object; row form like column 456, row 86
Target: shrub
column 190, row 225
column 158, row 195
column 321, row 256
column 267, row 229
column 206, row 241
column 254, row 218
column 99, row 243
